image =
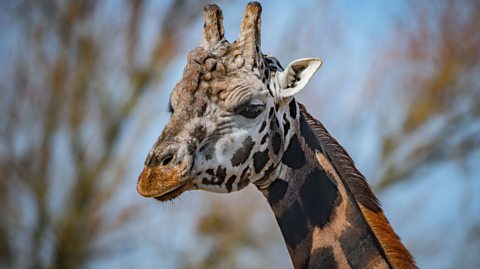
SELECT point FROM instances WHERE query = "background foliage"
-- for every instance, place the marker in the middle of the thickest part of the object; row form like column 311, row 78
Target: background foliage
column 84, row 86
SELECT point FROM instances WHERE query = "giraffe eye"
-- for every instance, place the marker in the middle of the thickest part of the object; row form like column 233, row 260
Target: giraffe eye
column 251, row 110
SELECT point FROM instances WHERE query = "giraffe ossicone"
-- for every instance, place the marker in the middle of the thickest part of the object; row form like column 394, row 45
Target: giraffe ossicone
column 234, row 121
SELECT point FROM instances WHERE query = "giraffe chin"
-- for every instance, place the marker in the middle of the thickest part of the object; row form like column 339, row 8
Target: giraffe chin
column 163, row 185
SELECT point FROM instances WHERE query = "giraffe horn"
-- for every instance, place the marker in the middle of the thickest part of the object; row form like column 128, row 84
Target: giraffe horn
column 250, row 28
column 213, row 31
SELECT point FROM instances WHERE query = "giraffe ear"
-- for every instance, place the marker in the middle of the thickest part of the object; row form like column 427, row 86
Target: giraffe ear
column 297, row 74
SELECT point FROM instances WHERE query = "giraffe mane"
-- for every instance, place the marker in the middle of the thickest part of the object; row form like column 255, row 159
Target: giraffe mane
column 396, row 253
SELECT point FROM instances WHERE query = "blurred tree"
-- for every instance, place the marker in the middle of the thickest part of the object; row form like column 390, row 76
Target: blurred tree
column 431, row 73
column 238, row 230
column 67, row 90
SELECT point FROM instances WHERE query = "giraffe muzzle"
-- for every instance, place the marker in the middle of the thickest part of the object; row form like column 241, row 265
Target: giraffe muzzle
column 165, row 174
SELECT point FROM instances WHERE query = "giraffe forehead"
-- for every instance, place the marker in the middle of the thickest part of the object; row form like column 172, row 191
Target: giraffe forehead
column 212, row 79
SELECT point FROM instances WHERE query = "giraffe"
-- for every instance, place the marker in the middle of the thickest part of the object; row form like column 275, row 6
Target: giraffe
column 235, row 121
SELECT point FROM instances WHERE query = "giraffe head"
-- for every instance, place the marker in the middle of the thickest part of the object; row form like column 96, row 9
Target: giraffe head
column 230, row 114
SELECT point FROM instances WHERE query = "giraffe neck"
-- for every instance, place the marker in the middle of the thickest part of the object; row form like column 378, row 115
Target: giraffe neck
column 321, row 221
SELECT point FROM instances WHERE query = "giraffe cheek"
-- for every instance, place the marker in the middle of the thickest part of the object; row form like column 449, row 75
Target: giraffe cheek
column 227, row 146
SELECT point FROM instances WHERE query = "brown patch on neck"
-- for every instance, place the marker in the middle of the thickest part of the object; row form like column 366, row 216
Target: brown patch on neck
column 395, row 252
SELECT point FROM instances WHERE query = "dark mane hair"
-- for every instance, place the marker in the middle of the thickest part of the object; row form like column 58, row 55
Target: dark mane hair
column 396, row 253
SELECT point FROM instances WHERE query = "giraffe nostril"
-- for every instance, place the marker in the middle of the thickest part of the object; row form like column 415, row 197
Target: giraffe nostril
column 167, row 159
column 164, row 155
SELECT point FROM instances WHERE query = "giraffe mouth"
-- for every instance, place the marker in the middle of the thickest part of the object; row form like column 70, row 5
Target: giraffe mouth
column 174, row 193
column 162, row 185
